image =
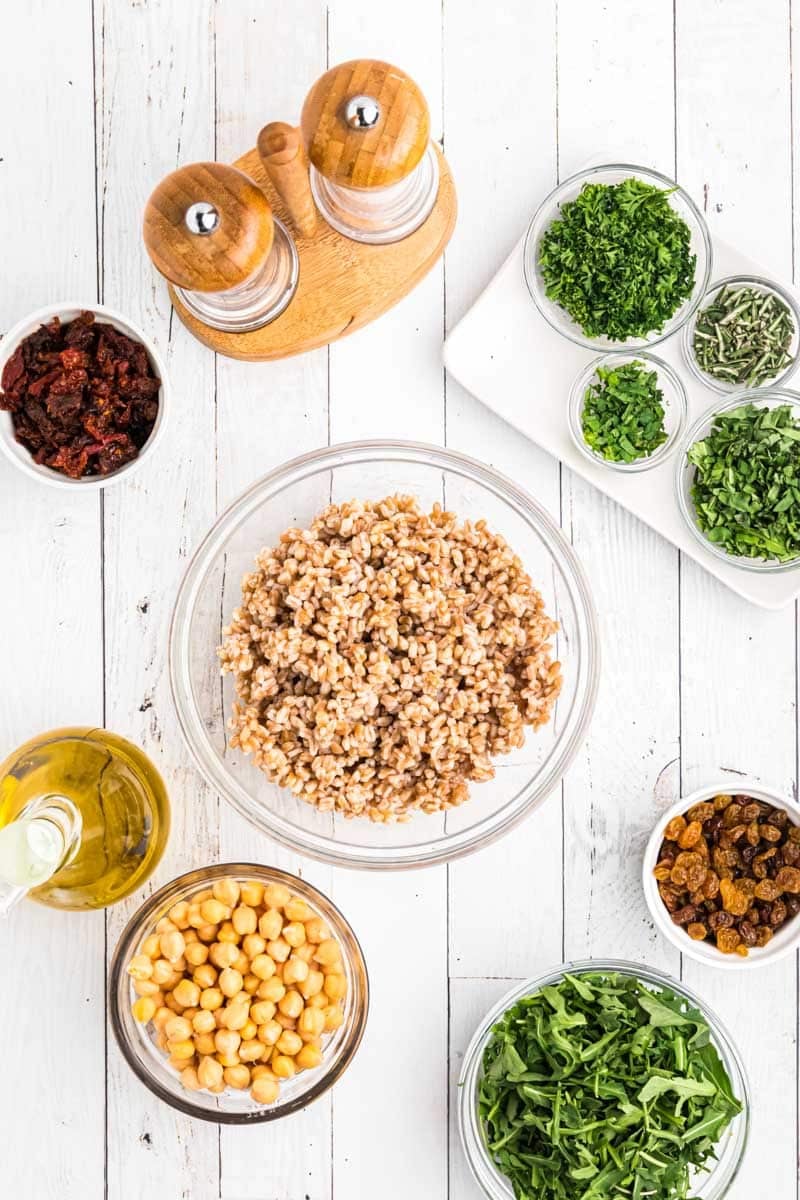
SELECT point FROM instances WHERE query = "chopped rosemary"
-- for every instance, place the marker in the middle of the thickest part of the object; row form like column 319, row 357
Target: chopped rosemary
column 743, row 337
column 623, row 413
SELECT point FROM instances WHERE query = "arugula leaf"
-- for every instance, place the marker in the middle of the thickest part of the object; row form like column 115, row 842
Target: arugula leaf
column 599, row 1086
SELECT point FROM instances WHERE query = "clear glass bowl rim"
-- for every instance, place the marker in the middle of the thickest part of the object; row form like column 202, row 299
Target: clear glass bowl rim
column 757, row 396
column 553, row 198
column 486, row 1175
column 760, row 281
column 586, row 653
column 320, row 1080
column 576, row 400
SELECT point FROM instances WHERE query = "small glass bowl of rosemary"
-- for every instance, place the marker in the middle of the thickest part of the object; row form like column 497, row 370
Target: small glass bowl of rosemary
column 744, row 335
column 617, row 257
column 737, row 479
column 627, row 411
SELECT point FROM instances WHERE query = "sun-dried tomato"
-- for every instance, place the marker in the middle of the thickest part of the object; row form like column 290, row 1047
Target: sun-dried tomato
column 83, row 396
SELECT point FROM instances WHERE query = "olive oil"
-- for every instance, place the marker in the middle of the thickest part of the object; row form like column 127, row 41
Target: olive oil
column 91, row 801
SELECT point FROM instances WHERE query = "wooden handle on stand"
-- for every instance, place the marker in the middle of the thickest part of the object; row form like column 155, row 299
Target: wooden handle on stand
column 284, row 158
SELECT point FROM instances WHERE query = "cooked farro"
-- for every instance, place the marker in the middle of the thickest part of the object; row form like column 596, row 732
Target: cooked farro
column 384, row 656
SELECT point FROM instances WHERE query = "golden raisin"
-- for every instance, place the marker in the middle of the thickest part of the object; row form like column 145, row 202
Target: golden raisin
column 734, row 900
column 768, row 889
column 701, row 812
column 691, row 835
column 711, row 885
column 675, row 828
column 788, row 879
column 770, row 833
column 721, row 802
column 728, row 940
column 763, row 935
column 696, row 931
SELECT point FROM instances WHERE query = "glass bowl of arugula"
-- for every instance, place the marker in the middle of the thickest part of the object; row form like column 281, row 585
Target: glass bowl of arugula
column 603, row 1078
column 627, row 411
column 738, row 479
column 617, row 257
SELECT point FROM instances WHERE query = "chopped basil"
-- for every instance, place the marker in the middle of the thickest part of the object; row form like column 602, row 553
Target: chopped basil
column 599, row 1086
column 618, row 259
column 623, row 413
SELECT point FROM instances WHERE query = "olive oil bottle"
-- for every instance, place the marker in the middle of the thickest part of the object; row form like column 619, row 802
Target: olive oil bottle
column 84, row 819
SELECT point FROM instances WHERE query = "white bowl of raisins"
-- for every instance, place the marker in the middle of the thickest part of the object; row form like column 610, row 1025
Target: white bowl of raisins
column 721, row 875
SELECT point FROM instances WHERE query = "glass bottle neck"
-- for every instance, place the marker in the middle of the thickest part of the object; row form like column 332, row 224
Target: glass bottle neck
column 41, row 840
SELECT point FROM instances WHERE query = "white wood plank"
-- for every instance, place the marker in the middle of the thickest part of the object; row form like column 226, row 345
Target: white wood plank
column 52, row 673
column 268, row 413
column 738, row 668
column 502, row 160
column 387, row 381
column 614, row 99
column 155, row 91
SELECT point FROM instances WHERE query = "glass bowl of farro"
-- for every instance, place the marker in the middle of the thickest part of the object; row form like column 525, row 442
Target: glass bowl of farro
column 384, row 654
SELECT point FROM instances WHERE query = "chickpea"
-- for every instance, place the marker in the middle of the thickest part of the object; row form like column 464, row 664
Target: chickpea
column 178, row 1029
column 295, row 970
column 248, row 1030
column 244, row 920
column 250, row 1050
column 187, row 994
column 144, row 1009
column 335, row 987
column 308, row 1058
column 211, row 998
column 162, row 1015
column 223, row 954
column 237, row 1077
column 276, row 895
column 270, row 924
column 298, row 910
column 312, row 984
column 279, row 950
column 140, row 967
column 235, row 1016
column 162, row 972
column 150, row 946
column 317, row 930
column 209, row 1073
column 181, row 1050
column 165, row 925
column 190, row 1080
column 214, row 912
column 208, row 933
column 310, row 1023
column 196, row 954
column 262, row 1071
column 230, row 982
column 194, row 916
column 252, row 893
column 327, row 952
column 285, row 1022
column 333, row 1017
column 226, row 933
column 241, row 964
column 226, row 891
column 204, row 1043
column 227, row 1041
column 180, row 1064
column 291, row 1005
column 205, row 894
column 205, row 976
column 189, row 936
column 262, row 966
column 271, row 989
column 305, row 952
column 228, row 1060
column 294, row 933
column 253, row 945
column 172, row 945
column 203, row 1021
column 145, row 987
column 179, row 914
column 289, row 1043
column 320, row 1000
column 261, row 1011
column 250, row 984
column 269, row 1032
column 264, row 1091
column 283, row 1066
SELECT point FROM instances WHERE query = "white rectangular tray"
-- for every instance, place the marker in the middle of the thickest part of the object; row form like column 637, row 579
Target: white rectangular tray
column 506, row 354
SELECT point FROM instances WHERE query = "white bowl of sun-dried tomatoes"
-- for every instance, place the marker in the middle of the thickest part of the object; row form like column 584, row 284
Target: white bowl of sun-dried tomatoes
column 82, row 396
column 721, row 875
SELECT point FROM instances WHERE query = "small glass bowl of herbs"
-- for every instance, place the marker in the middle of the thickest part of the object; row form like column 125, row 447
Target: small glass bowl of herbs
column 744, row 335
column 617, row 257
column 602, row 1079
column 738, row 479
column 627, row 411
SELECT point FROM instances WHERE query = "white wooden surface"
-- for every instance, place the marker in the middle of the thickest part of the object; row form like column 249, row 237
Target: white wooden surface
column 99, row 98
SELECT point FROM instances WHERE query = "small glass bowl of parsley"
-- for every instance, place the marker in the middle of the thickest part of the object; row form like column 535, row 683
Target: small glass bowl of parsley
column 737, row 480
column 627, row 411
column 745, row 334
column 602, row 1078
column 617, row 257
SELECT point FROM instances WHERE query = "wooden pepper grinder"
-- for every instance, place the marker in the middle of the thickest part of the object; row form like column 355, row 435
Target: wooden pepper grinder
column 374, row 173
column 210, row 231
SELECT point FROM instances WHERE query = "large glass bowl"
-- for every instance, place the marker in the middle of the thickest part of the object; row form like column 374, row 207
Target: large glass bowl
column 292, row 495
column 681, row 202
column 766, row 397
column 708, row 1185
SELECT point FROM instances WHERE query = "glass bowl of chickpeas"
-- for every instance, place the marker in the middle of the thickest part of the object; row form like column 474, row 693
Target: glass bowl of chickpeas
column 238, row 993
